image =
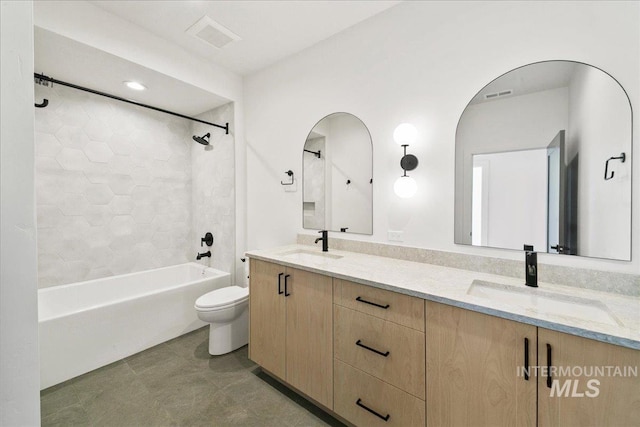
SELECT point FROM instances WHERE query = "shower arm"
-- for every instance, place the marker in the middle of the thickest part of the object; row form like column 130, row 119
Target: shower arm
column 42, row 77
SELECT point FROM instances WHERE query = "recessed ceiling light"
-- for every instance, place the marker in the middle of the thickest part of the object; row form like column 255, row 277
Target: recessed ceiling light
column 135, row 85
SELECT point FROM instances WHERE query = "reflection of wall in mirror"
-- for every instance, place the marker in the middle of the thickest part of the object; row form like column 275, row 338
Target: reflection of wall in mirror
column 526, row 122
column 314, row 184
column 602, row 205
column 515, row 189
column 350, row 158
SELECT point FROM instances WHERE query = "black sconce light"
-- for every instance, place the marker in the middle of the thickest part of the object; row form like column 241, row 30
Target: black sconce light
column 405, row 186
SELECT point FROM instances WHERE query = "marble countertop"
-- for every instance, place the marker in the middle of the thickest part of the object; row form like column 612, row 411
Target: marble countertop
column 591, row 314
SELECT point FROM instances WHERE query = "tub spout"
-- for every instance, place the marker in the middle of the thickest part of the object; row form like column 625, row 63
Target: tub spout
column 203, row 255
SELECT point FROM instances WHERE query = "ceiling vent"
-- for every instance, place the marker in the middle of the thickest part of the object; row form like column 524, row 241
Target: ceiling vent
column 500, row 94
column 212, row 32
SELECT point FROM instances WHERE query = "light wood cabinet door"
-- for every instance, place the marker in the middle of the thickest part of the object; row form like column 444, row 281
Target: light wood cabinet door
column 267, row 316
column 583, row 396
column 472, row 364
column 309, row 344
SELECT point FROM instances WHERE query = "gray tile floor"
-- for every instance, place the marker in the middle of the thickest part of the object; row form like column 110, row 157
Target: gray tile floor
column 178, row 383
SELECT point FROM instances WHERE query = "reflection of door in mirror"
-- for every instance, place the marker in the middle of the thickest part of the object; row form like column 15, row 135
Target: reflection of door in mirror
column 337, row 176
column 512, row 193
column 556, row 181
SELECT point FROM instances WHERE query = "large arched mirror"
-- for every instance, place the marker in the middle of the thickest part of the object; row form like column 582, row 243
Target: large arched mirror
column 543, row 158
column 337, row 176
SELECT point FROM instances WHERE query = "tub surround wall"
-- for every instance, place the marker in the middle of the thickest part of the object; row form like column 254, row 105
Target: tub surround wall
column 619, row 283
column 113, row 187
column 213, row 190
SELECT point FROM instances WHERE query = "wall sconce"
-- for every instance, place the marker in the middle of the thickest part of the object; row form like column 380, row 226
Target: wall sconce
column 405, row 186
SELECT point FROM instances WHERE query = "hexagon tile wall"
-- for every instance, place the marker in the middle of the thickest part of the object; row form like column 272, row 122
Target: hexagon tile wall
column 113, row 187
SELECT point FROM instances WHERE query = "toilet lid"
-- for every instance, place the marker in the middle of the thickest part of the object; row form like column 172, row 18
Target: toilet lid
column 223, row 297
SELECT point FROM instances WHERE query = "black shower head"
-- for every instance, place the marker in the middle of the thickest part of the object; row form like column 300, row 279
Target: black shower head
column 201, row 139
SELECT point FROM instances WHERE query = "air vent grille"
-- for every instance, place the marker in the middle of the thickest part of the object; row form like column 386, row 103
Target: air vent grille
column 500, row 94
column 212, row 32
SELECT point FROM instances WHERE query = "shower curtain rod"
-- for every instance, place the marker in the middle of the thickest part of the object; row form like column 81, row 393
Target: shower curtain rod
column 42, row 77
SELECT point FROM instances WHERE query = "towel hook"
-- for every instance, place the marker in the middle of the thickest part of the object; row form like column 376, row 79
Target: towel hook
column 622, row 157
column 43, row 104
column 290, row 173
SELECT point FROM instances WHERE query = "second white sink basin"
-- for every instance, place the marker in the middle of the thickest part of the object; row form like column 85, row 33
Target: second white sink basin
column 304, row 255
column 545, row 302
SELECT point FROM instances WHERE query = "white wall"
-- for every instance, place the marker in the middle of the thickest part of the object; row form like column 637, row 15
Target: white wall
column 19, row 374
column 420, row 62
column 602, row 205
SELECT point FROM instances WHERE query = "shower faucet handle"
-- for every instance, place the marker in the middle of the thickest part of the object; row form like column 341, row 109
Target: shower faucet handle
column 208, row 239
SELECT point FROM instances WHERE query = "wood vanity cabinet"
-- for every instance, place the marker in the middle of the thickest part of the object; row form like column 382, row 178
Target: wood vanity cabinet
column 472, row 369
column 291, row 327
column 474, row 374
column 379, row 350
column 615, row 399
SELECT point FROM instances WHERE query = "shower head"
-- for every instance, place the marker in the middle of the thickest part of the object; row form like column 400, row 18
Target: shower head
column 201, row 139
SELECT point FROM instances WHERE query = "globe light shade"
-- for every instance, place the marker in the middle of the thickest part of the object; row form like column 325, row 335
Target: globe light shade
column 405, row 134
column 405, row 187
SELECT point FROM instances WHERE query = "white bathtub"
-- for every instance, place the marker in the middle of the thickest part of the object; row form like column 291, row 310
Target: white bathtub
column 86, row 325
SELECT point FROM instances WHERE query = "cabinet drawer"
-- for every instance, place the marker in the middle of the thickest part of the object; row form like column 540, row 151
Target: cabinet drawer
column 398, row 308
column 386, row 350
column 353, row 385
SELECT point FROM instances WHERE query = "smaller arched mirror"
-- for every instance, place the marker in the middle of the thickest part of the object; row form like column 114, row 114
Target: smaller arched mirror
column 337, row 175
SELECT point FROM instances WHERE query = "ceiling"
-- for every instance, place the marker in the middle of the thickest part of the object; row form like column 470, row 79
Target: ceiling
column 70, row 61
column 269, row 30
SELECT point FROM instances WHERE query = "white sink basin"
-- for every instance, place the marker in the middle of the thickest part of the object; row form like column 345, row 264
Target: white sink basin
column 314, row 257
column 545, row 302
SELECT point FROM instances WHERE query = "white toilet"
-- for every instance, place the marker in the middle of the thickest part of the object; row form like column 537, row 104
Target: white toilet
column 227, row 309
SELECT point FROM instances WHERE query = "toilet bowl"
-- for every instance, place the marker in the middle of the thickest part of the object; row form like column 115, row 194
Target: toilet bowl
column 227, row 311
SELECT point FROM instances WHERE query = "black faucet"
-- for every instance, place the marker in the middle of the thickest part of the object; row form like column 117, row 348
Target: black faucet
column 204, row 255
column 530, row 266
column 325, row 240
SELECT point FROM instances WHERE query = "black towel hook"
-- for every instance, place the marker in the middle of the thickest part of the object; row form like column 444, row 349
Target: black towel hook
column 44, row 103
column 622, row 157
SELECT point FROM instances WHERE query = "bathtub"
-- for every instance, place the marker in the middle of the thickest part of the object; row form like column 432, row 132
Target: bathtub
column 86, row 325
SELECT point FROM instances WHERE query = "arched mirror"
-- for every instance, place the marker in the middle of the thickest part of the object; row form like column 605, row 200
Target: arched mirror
column 543, row 158
column 337, row 162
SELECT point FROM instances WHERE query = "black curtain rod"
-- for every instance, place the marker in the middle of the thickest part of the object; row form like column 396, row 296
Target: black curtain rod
column 42, row 77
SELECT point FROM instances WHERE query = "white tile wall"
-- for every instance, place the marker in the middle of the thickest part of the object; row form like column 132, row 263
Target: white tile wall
column 114, row 188
column 213, row 189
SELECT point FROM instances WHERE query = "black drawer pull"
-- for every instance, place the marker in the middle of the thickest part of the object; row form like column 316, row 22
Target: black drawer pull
column 359, row 343
column 286, row 293
column 360, row 404
column 526, row 359
column 359, row 299
column 549, row 380
column 279, row 284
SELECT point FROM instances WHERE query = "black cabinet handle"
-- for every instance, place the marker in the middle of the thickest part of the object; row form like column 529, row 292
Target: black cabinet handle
column 359, row 343
column 286, row 293
column 360, row 404
column 526, row 359
column 549, row 380
column 359, row 299
column 279, row 280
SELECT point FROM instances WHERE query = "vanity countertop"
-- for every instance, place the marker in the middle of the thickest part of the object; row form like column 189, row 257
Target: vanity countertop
column 591, row 314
